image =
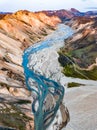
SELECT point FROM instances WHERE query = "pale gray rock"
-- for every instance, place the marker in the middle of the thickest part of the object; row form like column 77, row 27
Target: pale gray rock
column 82, row 105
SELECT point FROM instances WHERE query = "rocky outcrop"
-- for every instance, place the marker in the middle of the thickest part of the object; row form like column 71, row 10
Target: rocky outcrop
column 17, row 32
column 80, row 50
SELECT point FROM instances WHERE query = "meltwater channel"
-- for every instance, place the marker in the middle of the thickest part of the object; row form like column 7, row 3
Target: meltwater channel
column 44, row 86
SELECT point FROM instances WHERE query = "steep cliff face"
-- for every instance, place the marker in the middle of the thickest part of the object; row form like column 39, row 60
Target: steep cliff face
column 17, row 32
column 81, row 49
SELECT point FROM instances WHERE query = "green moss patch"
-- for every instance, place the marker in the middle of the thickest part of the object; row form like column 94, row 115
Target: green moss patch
column 72, row 69
column 76, row 72
column 13, row 117
column 73, row 84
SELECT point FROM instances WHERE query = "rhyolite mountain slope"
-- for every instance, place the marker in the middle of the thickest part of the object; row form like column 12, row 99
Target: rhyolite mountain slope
column 79, row 55
column 17, row 32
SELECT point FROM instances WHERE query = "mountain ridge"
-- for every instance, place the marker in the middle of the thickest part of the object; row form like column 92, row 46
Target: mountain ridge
column 63, row 14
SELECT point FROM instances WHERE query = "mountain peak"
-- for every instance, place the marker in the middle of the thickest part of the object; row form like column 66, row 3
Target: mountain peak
column 74, row 10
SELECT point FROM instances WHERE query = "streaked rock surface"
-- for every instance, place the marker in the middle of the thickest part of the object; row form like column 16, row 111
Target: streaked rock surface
column 82, row 105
